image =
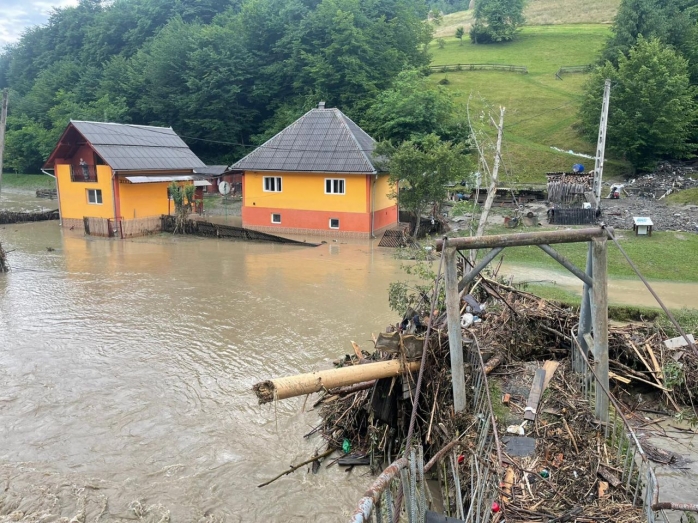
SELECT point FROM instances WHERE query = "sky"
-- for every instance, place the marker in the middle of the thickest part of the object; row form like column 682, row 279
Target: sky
column 17, row 15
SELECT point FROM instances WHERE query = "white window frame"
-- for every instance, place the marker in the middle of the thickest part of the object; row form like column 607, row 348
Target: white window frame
column 97, row 193
column 275, row 214
column 275, row 183
column 331, row 223
column 334, row 182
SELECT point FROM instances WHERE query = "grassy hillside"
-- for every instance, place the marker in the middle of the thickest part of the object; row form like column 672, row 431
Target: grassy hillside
column 544, row 12
column 541, row 110
column 29, row 182
column 686, row 197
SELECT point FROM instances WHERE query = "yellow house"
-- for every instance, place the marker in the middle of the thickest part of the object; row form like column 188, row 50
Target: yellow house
column 115, row 177
column 317, row 176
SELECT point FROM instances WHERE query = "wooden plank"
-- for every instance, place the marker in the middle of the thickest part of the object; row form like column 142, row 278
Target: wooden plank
column 534, row 395
column 617, row 377
column 609, row 476
column 549, row 367
column 677, row 343
column 640, row 356
column 657, row 368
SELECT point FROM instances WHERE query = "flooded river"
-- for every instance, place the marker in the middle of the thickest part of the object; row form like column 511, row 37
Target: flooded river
column 126, row 367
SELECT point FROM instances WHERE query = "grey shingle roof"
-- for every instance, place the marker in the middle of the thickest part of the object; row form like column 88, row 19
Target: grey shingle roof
column 322, row 140
column 128, row 147
column 212, row 170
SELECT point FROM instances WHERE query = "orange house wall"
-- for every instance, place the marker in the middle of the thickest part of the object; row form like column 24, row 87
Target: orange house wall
column 73, row 195
column 318, row 207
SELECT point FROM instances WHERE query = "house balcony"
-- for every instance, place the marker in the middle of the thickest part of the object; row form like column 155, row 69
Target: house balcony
column 83, row 173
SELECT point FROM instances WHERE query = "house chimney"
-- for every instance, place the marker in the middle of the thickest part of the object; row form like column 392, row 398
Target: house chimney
column 321, row 105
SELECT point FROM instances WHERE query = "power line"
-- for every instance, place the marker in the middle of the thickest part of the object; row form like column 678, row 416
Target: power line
column 537, row 115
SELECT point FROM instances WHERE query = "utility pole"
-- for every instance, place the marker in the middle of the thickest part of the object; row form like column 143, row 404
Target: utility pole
column 601, row 144
column 3, row 119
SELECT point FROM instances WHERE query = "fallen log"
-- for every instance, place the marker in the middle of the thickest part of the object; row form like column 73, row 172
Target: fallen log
column 493, row 363
column 291, row 386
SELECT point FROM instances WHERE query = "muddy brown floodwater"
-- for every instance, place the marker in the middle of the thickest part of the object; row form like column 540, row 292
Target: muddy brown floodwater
column 126, row 368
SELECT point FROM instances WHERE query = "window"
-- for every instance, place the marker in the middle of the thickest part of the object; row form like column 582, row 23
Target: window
column 275, row 218
column 272, row 183
column 334, row 186
column 94, row 196
column 334, row 223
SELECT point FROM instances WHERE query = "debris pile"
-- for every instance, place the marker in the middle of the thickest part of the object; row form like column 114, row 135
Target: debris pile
column 667, row 179
column 555, row 464
column 641, row 355
column 22, row 217
column 562, row 467
column 619, row 214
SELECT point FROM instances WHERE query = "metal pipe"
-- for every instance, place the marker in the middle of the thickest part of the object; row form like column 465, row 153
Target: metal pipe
column 372, row 495
column 526, row 238
column 566, row 264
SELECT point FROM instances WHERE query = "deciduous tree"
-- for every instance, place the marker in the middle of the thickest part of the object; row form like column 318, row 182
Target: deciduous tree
column 497, row 20
column 652, row 109
column 413, row 108
column 421, row 169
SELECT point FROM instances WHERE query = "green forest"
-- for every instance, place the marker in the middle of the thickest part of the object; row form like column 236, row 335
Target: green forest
column 225, row 74
column 228, row 74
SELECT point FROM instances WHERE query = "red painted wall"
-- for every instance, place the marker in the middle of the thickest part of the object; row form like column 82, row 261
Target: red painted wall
column 320, row 220
column 385, row 217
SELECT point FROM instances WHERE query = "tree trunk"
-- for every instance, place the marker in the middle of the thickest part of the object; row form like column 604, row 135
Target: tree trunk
column 282, row 388
column 492, row 191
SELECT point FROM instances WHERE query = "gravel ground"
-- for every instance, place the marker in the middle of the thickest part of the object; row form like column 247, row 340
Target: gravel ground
column 619, row 214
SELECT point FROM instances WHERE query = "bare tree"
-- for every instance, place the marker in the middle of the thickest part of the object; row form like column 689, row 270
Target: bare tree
column 492, row 174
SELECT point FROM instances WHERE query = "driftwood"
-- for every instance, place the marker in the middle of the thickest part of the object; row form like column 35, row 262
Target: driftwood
column 4, row 267
column 22, row 217
column 291, row 386
column 293, row 468
column 493, row 362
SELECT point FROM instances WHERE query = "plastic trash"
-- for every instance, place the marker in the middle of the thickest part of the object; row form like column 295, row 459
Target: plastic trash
column 495, row 507
column 516, row 429
column 544, row 474
column 467, row 320
column 346, row 446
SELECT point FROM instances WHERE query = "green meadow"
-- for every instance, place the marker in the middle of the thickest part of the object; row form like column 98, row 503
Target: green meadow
column 541, row 110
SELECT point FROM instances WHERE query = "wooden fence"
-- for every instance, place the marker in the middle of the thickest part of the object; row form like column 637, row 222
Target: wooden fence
column 216, row 230
column 571, row 69
column 121, row 228
column 478, row 67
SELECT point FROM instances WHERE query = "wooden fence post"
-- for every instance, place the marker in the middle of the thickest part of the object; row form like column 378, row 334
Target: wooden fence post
column 455, row 335
column 585, row 313
column 600, row 324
